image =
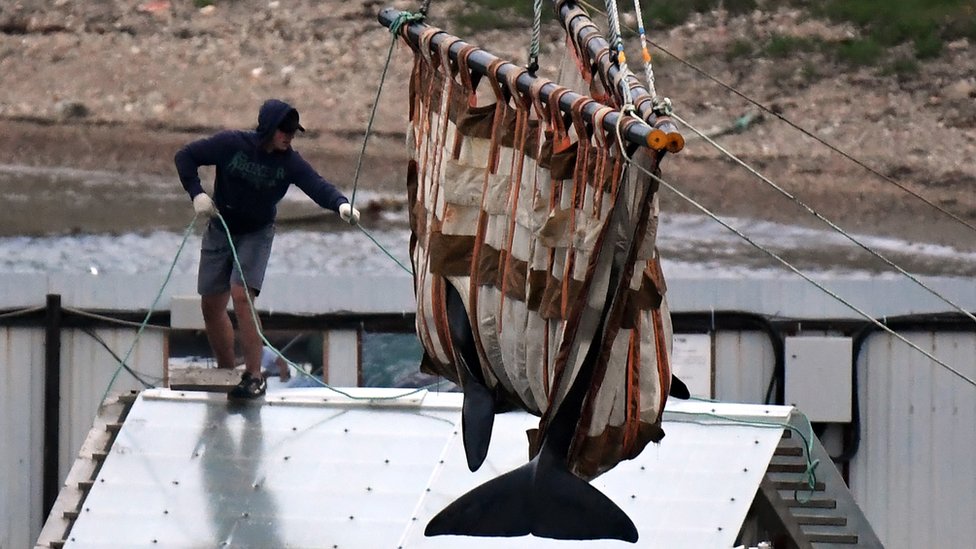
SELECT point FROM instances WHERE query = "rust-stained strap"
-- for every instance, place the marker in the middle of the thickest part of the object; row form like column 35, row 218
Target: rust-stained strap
column 522, row 102
column 464, row 71
column 479, row 241
column 446, row 92
column 604, row 146
column 424, row 41
column 632, row 391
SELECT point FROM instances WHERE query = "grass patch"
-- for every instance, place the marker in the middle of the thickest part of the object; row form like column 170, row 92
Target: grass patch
column 671, row 14
column 861, row 52
column 883, row 24
column 927, row 46
column 740, row 48
column 781, row 46
column 903, row 67
column 810, row 72
column 927, row 24
column 480, row 15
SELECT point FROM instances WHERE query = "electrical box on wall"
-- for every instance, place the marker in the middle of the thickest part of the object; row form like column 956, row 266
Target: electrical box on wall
column 818, row 377
column 691, row 361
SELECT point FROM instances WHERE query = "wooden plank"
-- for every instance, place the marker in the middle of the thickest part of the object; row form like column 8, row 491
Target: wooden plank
column 787, row 468
column 821, row 520
column 812, row 504
column 850, row 539
column 214, row 380
column 799, row 486
column 81, row 476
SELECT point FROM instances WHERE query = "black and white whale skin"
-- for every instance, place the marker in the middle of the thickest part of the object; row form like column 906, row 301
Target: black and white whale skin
column 543, row 497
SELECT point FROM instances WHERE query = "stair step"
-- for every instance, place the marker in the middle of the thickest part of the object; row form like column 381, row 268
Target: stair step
column 812, row 504
column 821, row 520
column 799, row 486
column 787, row 468
column 850, row 539
column 788, row 451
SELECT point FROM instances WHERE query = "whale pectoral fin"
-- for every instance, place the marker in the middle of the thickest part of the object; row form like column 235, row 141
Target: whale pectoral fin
column 679, row 389
column 478, row 410
column 546, row 501
column 477, row 420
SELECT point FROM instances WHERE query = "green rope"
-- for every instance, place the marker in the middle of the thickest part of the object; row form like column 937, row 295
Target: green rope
column 372, row 115
column 257, row 324
column 395, row 27
column 145, row 321
column 387, row 252
column 402, row 19
column 811, row 464
column 405, row 17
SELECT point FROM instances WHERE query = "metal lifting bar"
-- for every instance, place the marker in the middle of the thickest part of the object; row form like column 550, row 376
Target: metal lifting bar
column 633, row 130
column 578, row 24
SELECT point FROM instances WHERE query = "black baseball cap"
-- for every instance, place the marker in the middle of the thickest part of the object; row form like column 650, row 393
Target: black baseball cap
column 289, row 124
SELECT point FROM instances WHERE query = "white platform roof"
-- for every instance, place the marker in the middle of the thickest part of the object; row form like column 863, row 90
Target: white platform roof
column 313, row 468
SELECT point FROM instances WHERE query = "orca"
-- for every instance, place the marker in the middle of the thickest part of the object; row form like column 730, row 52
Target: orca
column 543, row 497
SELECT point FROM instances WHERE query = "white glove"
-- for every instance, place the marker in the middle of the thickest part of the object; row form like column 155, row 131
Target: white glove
column 349, row 214
column 203, row 205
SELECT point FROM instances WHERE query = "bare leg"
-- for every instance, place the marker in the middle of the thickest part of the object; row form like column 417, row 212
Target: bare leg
column 247, row 330
column 220, row 332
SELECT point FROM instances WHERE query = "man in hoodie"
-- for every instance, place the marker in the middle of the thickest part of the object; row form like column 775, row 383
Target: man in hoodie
column 253, row 172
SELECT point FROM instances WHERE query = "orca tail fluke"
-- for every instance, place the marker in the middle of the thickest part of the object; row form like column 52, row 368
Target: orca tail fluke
column 499, row 507
column 544, row 501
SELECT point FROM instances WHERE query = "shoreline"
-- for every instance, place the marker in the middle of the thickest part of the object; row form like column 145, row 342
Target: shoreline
column 122, row 163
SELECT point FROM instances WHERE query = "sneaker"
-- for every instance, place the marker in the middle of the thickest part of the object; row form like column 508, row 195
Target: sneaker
column 249, row 388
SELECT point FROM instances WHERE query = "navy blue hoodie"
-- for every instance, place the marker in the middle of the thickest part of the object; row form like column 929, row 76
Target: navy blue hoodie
column 251, row 181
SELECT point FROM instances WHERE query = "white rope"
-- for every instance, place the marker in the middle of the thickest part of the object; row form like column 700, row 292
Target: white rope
column 834, row 148
column 829, row 223
column 648, row 67
column 536, row 32
column 789, row 266
column 616, row 41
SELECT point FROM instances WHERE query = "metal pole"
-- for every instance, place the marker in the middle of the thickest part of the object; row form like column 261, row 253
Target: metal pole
column 52, row 400
column 581, row 27
column 638, row 132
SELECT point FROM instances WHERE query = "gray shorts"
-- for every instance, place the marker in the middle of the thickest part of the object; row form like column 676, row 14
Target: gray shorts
column 217, row 269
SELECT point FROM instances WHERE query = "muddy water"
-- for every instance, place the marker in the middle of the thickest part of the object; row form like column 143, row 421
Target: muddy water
column 60, row 220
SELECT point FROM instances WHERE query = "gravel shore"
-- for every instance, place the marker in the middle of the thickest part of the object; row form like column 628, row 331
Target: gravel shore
column 117, row 86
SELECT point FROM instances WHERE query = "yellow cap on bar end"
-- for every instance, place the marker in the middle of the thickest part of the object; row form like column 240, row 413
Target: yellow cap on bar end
column 676, row 142
column 657, row 139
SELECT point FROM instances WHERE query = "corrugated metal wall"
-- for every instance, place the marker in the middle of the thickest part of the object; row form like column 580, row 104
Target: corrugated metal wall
column 86, row 369
column 915, row 473
column 22, row 431
column 744, row 363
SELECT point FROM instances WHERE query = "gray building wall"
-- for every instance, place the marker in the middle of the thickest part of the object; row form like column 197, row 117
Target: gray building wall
column 913, row 474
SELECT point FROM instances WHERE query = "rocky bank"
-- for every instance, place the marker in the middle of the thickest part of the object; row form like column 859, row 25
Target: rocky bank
column 118, row 85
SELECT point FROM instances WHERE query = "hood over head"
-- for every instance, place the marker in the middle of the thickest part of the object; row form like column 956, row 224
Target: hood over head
column 276, row 113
